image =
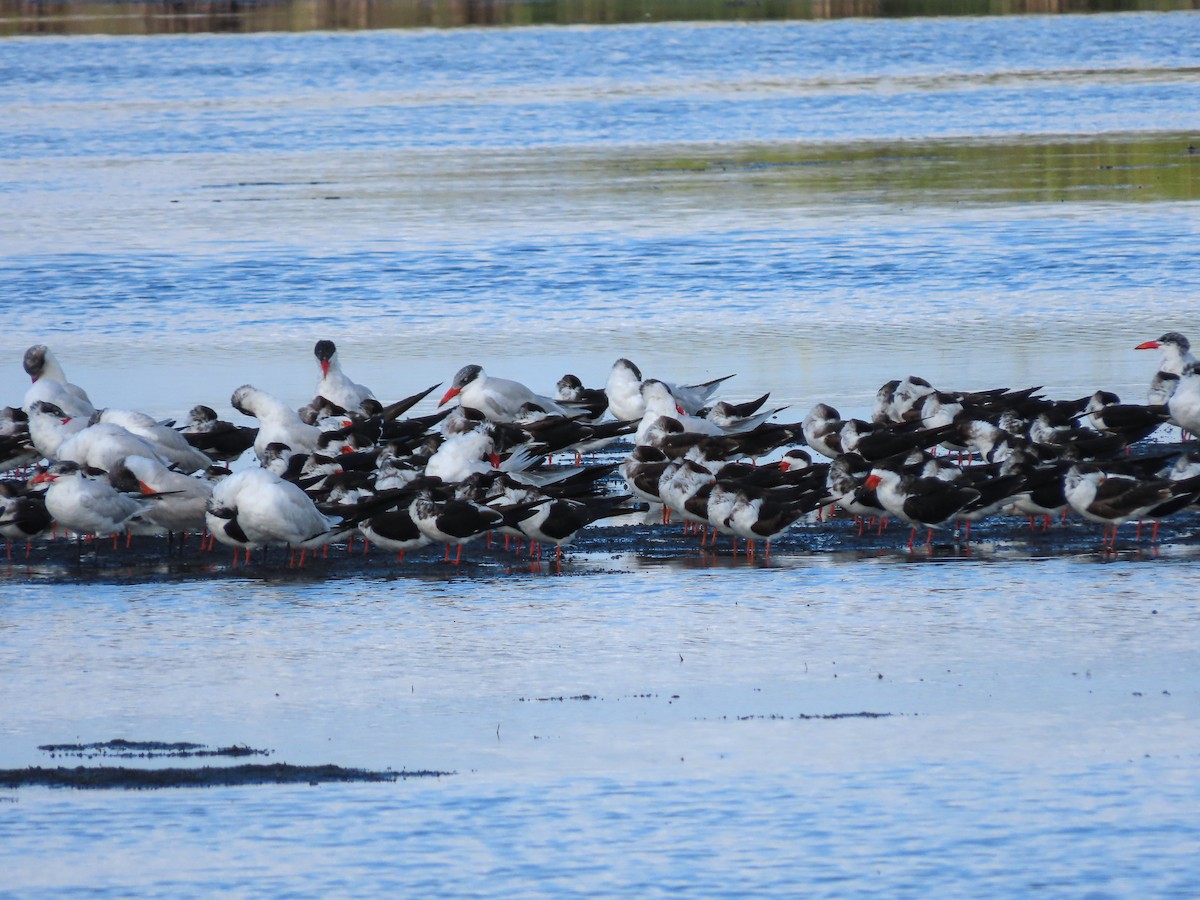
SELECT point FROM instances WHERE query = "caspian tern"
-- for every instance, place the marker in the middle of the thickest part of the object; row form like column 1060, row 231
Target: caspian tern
column 625, row 400
column 50, row 384
column 498, row 399
column 1176, row 356
column 1184, row 404
column 104, row 446
column 49, row 426
column 335, row 385
column 660, row 402
column 180, row 500
column 277, row 422
column 268, row 511
column 86, row 505
column 169, row 443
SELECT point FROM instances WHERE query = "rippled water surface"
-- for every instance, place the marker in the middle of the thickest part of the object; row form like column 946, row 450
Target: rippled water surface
column 816, row 206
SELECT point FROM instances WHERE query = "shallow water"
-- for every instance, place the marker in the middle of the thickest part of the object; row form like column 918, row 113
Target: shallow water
column 1042, row 730
column 818, row 207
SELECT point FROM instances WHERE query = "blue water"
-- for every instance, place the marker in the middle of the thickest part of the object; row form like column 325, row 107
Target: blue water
column 1037, row 740
column 513, row 197
column 185, row 214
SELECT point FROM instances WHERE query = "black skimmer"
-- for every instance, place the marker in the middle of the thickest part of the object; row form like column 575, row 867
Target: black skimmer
column 1106, row 412
column 885, row 398
column 23, row 515
column 394, row 530
column 277, row 422
column 905, row 397
column 559, row 434
column 13, row 422
column 324, row 414
column 50, row 384
column 1057, row 432
column 981, row 437
column 16, row 445
column 394, row 471
column 762, row 440
column 335, row 385
column 921, row 502
column 659, row 432
column 394, row 411
column 642, row 470
column 679, row 484
column 874, row 441
column 214, row 437
column 593, row 401
column 845, row 483
column 1042, row 495
column 757, row 515
column 822, row 430
column 1112, row 498
column 558, row 521
column 733, row 416
column 455, row 521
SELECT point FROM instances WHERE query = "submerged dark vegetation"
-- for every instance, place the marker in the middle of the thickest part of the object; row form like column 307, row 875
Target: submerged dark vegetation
column 126, row 777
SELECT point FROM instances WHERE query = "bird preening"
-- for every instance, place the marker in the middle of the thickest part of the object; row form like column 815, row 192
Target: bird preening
column 479, row 466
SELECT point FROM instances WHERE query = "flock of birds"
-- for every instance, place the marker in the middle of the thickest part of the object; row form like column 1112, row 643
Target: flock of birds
column 346, row 465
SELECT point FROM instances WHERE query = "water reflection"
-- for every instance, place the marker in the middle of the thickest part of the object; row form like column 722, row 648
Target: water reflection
column 23, row 17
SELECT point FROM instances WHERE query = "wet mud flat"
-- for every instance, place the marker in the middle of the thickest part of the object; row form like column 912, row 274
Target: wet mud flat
column 601, row 548
column 134, row 778
column 619, row 544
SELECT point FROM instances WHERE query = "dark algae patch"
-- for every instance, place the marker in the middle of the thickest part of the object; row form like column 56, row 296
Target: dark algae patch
column 124, row 749
column 204, row 776
column 130, row 778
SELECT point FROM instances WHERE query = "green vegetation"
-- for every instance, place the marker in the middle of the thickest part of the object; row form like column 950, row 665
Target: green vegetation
column 1132, row 168
column 99, row 17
